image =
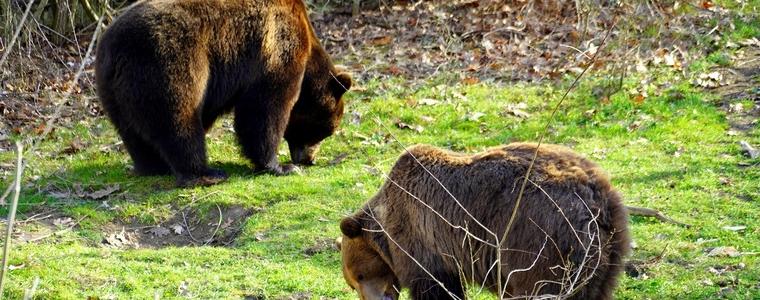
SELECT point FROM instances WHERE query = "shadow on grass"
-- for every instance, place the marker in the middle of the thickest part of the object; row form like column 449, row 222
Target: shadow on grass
column 666, row 176
column 90, row 174
column 106, row 203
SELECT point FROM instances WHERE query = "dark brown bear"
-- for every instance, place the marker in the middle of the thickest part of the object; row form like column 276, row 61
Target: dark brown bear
column 567, row 241
column 167, row 69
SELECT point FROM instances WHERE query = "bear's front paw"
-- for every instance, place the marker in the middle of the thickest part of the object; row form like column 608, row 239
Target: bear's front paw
column 279, row 170
column 209, row 177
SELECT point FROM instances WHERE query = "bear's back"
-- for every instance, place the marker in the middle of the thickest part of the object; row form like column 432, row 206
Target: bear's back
column 566, row 197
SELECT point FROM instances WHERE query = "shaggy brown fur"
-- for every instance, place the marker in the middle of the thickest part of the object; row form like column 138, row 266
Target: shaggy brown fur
column 166, row 69
column 583, row 210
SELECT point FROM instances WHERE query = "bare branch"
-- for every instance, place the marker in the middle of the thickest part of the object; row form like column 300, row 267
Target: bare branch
column 382, row 229
column 15, row 34
column 535, row 153
column 377, row 120
column 12, row 213
column 57, row 113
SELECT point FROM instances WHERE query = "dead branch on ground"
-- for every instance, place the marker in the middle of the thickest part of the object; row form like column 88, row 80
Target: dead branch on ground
column 648, row 212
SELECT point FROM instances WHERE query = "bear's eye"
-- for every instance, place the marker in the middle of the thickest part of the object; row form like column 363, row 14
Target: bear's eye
column 360, row 277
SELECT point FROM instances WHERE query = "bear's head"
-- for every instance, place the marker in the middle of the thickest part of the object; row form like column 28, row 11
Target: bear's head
column 364, row 267
column 317, row 113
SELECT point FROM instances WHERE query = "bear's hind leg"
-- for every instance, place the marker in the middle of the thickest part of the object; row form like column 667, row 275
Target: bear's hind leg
column 147, row 161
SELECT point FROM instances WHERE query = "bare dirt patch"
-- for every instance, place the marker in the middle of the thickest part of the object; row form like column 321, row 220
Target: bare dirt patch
column 42, row 226
column 321, row 245
column 219, row 226
column 744, row 87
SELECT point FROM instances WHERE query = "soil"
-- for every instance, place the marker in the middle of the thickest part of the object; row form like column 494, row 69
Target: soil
column 219, row 226
column 744, row 84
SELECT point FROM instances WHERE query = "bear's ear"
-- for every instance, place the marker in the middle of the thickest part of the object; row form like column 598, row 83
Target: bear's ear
column 350, row 227
column 342, row 83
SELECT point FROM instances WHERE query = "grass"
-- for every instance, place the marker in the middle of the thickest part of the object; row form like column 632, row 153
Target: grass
column 670, row 152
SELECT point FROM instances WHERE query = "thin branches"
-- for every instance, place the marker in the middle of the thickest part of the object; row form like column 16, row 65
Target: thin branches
column 12, row 213
column 390, row 238
column 51, row 121
column 15, row 34
column 535, row 154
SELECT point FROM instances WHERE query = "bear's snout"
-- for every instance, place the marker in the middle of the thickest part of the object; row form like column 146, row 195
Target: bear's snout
column 303, row 155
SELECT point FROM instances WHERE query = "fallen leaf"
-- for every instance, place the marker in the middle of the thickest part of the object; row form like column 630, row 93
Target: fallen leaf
column 749, row 150
column 735, row 108
column 517, row 110
column 724, row 251
column 338, row 159
column 470, row 80
column 474, row 116
column 639, row 98
column 372, row 170
column 60, row 194
column 118, row 240
column 403, row 125
column 679, row 151
column 178, row 229
column 394, row 70
column 381, row 40
column 183, row 289
column 428, row 101
column 751, row 42
column 736, row 228
column 159, row 231
column 710, row 80
column 107, row 190
column 63, row 222
column 427, row 119
column 75, row 146
column 356, row 118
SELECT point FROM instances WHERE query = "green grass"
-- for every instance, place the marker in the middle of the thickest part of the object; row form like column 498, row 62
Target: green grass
column 670, row 152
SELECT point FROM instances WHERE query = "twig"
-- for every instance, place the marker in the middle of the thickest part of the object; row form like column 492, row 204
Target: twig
column 39, row 238
column 15, row 36
column 29, row 294
column 382, row 229
column 218, row 224
column 187, row 227
column 33, row 218
column 535, row 155
column 88, row 9
column 467, row 212
column 5, row 195
column 648, row 212
column 12, row 214
column 211, row 238
column 74, row 82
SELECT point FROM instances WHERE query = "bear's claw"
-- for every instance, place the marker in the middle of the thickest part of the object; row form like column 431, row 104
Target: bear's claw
column 210, row 177
column 279, row 170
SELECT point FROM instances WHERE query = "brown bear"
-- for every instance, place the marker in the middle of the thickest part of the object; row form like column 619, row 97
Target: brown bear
column 435, row 224
column 166, row 69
